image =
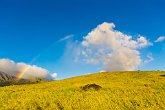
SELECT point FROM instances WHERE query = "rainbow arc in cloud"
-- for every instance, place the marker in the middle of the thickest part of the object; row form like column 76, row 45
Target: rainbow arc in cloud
column 23, row 72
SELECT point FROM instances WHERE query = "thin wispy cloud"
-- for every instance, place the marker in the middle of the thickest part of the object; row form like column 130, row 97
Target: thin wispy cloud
column 160, row 39
column 149, row 59
column 66, row 38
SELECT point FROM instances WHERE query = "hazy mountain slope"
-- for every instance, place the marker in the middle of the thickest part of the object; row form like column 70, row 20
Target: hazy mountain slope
column 5, row 77
column 119, row 91
column 6, row 80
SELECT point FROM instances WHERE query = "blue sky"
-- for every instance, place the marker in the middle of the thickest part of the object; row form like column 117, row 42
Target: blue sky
column 29, row 28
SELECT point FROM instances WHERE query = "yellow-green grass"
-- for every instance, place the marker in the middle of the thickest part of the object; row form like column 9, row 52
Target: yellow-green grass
column 120, row 91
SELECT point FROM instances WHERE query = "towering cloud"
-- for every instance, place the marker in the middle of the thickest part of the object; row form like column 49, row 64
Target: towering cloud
column 13, row 68
column 115, row 50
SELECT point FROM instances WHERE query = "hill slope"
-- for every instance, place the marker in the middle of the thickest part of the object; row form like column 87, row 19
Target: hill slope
column 120, row 90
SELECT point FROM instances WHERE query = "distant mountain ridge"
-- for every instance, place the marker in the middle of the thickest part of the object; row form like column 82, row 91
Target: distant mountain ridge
column 4, row 77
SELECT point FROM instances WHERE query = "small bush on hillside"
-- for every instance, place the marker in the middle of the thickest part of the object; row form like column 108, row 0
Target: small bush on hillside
column 163, row 75
column 91, row 86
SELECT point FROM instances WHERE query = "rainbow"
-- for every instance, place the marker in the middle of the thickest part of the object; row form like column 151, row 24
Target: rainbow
column 23, row 72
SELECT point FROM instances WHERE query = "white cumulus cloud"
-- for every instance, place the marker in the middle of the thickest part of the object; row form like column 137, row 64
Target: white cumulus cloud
column 160, row 39
column 115, row 50
column 10, row 67
column 54, row 75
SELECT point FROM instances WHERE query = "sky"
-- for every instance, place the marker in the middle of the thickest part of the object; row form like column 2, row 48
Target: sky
column 57, row 35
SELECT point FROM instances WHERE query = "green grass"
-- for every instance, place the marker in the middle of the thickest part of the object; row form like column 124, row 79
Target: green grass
column 120, row 90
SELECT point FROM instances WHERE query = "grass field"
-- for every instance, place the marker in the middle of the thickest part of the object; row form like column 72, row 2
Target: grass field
column 120, row 90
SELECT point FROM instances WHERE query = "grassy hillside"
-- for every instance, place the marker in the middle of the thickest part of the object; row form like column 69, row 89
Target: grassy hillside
column 120, row 90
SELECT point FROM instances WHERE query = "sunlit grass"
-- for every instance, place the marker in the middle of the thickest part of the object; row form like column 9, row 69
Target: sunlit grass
column 120, row 90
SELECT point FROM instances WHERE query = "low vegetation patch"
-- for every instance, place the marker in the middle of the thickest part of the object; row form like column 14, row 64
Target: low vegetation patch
column 163, row 75
column 91, row 86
